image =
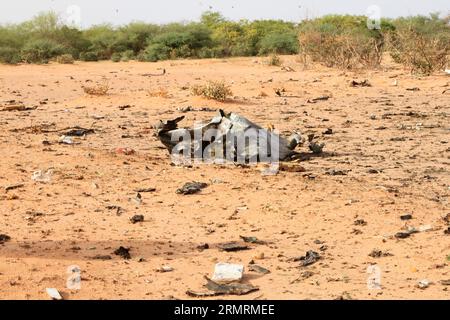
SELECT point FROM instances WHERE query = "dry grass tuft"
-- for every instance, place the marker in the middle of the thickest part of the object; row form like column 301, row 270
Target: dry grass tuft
column 97, row 90
column 215, row 90
column 161, row 92
column 274, row 60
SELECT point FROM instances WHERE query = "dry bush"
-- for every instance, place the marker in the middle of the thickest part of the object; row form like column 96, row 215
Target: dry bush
column 422, row 54
column 346, row 51
column 215, row 90
column 274, row 60
column 97, row 90
column 161, row 92
column 65, row 59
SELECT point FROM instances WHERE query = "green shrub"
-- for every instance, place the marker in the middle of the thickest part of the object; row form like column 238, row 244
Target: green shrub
column 116, row 57
column 127, row 55
column 41, row 51
column 65, row 59
column 284, row 43
column 155, row 52
column 9, row 55
column 88, row 56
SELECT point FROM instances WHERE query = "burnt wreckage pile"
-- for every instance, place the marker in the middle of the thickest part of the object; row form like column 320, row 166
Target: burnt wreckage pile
column 227, row 137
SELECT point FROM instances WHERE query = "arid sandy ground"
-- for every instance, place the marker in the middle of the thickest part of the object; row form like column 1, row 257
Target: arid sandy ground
column 392, row 144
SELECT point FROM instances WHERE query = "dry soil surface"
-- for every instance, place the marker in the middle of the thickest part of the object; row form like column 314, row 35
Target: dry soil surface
column 387, row 156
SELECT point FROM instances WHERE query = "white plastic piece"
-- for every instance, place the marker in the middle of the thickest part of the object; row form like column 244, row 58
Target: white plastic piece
column 226, row 272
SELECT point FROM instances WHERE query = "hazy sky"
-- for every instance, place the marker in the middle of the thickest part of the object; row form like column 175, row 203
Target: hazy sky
column 124, row 11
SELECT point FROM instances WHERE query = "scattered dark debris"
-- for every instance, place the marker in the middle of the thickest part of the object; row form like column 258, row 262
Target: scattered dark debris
column 447, row 218
column 222, row 289
column 308, row 259
column 279, row 91
column 364, row 83
column 78, row 132
column 413, row 89
column 447, row 231
column 123, row 252
column 145, row 190
column 374, row 171
column 356, row 231
column 252, row 240
column 14, row 186
column 233, row 246
column 398, row 139
column 127, row 106
column 303, row 276
column 328, row 131
column 203, row 246
column 119, row 210
column 192, row 188
column 4, row 238
column 196, row 294
column 258, row 269
column 321, row 98
column 102, row 257
column 316, row 148
column 334, row 172
column 445, row 282
column 360, row 222
column 406, row 217
column 402, row 235
column 13, row 105
column 137, row 218
column 231, row 289
column 376, row 253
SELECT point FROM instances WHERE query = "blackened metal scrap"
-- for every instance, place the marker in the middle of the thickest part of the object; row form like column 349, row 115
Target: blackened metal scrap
column 228, row 129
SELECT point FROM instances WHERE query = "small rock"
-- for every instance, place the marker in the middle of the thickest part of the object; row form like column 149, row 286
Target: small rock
column 164, row 269
column 137, row 218
column 406, row 217
column 376, row 253
column 4, row 238
column 259, row 256
column 360, row 222
column 402, row 235
column 192, row 188
column 125, row 151
column 203, row 246
column 123, row 252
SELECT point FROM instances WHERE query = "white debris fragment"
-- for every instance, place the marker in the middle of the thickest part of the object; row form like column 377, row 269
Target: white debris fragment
column 66, row 140
column 426, row 227
column 226, row 272
column 423, row 284
column 53, row 293
column 165, row 269
column 41, row 176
